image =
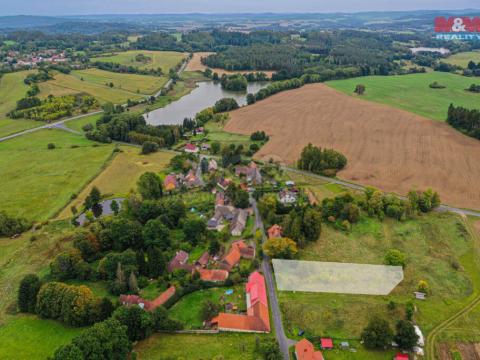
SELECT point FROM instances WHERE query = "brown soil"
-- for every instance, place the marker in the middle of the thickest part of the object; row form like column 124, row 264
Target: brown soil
column 195, row 64
column 388, row 148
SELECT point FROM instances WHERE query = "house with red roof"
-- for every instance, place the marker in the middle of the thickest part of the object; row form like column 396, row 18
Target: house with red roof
column 147, row 305
column 238, row 250
column 257, row 318
column 326, row 343
column 170, row 182
column 304, row 350
column 191, row 148
column 214, row 275
column 180, row 262
column 275, row 231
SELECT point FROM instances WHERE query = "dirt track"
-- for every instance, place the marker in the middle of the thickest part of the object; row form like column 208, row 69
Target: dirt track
column 391, row 149
column 196, row 65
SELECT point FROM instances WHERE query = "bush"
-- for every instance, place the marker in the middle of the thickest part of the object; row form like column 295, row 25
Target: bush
column 51, row 146
column 27, row 293
column 149, row 147
column 318, row 161
column 10, row 226
column 139, row 323
column 225, row 104
column 395, row 257
column 377, row 334
column 406, row 337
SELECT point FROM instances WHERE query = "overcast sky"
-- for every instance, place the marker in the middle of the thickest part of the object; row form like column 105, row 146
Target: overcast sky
column 83, row 7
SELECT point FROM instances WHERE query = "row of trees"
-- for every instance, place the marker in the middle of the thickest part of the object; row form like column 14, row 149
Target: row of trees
column 129, row 127
column 52, row 108
column 124, row 69
column 465, row 120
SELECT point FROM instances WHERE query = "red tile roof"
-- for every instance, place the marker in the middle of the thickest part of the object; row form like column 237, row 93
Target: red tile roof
column 213, row 275
column 203, row 260
column 257, row 318
column 304, row 351
column 146, row 304
column 326, row 343
column 191, row 147
column 401, row 356
column 275, row 231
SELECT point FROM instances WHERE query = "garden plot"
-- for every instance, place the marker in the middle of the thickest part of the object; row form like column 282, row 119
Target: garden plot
column 332, row 277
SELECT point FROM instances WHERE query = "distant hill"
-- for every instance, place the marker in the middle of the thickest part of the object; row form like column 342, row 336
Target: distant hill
column 26, row 21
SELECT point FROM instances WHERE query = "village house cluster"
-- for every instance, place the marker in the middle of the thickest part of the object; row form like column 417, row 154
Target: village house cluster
column 32, row 60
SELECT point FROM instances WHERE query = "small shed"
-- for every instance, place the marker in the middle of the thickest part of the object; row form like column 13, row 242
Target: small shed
column 326, row 343
column 401, row 356
column 420, row 295
column 344, row 345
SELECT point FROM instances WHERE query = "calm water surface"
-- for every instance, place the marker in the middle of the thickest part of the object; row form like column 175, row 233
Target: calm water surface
column 205, row 95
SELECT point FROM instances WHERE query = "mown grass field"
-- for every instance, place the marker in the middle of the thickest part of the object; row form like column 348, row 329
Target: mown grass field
column 29, row 337
column 121, row 175
column 198, row 347
column 160, row 59
column 412, row 92
column 188, row 309
column 12, row 89
column 139, row 84
column 462, row 59
column 38, row 182
column 77, row 124
column 94, row 83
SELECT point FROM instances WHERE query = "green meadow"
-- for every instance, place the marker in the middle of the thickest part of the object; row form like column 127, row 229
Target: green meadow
column 159, row 59
column 463, row 58
column 38, row 182
column 412, row 92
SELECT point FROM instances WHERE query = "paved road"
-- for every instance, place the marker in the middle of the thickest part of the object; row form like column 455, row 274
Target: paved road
column 283, row 341
column 441, row 208
column 49, row 126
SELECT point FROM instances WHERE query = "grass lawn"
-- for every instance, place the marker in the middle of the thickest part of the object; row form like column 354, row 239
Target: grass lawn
column 159, row 59
column 412, row 92
column 64, row 84
column 188, row 308
column 38, row 182
column 29, row 337
column 198, row 347
column 12, row 88
column 12, row 126
column 121, row 175
column 432, row 243
column 137, row 84
column 23, row 256
column 77, row 124
column 463, row 58
column 319, row 188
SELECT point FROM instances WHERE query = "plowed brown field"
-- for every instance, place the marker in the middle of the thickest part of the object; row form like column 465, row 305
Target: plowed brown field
column 390, row 149
column 195, row 64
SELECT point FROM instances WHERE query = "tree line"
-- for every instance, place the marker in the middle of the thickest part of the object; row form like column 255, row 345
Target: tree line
column 465, row 120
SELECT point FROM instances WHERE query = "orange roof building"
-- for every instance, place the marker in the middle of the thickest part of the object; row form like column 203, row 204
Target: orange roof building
column 238, row 250
column 146, row 304
column 275, row 231
column 213, row 275
column 304, row 350
column 257, row 318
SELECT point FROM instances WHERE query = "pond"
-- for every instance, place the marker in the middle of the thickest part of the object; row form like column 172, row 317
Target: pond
column 205, row 95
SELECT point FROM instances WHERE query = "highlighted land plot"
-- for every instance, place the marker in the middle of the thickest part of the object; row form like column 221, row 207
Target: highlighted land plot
column 330, row 277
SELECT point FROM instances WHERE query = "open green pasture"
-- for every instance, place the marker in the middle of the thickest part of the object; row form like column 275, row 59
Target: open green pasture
column 412, row 92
